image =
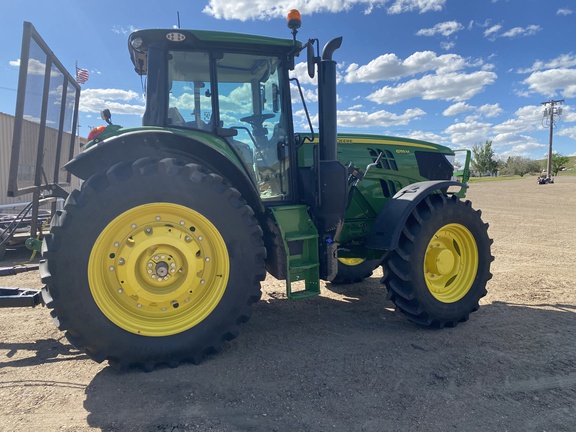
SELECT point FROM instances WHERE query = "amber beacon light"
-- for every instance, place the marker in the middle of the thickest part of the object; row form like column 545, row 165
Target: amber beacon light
column 294, row 21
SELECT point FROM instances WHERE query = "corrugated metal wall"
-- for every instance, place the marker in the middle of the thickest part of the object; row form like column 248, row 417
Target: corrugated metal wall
column 6, row 132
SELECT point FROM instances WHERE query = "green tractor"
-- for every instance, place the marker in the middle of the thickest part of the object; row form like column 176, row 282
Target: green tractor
column 159, row 256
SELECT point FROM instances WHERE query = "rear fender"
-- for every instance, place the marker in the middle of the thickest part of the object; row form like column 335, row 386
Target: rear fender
column 388, row 225
column 162, row 144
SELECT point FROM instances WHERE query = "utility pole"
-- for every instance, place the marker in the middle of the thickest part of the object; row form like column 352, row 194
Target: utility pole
column 550, row 109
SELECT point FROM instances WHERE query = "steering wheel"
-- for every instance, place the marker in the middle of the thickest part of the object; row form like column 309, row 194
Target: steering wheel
column 256, row 120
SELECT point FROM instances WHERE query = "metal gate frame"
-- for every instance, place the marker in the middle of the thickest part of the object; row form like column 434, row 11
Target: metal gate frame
column 69, row 92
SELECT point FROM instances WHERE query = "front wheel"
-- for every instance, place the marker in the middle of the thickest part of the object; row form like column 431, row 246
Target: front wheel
column 153, row 262
column 439, row 271
column 354, row 270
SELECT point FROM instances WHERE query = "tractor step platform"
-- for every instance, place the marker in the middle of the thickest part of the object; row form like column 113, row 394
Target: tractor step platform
column 300, row 239
column 19, row 297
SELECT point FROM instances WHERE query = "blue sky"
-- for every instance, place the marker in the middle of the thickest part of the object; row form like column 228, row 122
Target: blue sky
column 453, row 72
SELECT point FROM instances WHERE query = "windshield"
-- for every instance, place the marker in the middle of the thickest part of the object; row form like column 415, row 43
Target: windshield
column 247, row 105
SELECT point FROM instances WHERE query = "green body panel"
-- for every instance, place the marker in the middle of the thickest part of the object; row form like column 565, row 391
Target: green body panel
column 207, row 139
column 398, row 168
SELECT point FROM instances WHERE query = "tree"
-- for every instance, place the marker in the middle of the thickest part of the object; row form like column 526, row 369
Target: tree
column 518, row 165
column 483, row 158
column 557, row 161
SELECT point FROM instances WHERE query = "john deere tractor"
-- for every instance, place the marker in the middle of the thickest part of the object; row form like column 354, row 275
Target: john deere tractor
column 159, row 256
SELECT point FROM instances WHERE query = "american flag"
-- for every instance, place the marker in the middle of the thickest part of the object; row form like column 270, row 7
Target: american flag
column 81, row 75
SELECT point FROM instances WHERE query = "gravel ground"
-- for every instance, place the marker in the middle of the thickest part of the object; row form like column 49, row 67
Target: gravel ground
column 344, row 361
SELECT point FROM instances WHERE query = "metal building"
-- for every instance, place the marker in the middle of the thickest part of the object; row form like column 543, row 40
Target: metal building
column 6, row 132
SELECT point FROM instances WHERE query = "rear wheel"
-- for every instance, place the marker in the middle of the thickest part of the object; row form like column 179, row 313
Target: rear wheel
column 153, row 262
column 439, row 271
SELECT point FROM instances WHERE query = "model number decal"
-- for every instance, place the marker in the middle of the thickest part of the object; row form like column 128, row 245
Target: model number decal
column 402, row 151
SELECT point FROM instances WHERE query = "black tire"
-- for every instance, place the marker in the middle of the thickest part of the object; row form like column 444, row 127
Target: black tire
column 439, row 271
column 198, row 214
column 349, row 273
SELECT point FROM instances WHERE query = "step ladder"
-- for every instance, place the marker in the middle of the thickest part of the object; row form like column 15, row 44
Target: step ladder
column 300, row 238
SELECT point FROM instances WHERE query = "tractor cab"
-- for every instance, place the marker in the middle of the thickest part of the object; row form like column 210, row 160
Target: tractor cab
column 227, row 85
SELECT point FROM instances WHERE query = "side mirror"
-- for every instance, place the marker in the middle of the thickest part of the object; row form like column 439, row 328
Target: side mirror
column 310, row 58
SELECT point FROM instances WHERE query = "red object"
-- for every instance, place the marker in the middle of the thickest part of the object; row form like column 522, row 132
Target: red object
column 95, row 132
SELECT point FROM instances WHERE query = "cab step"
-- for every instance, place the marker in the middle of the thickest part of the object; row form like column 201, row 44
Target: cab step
column 300, row 238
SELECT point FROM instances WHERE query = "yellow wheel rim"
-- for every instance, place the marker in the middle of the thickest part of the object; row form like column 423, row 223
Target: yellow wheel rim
column 158, row 269
column 351, row 261
column 451, row 263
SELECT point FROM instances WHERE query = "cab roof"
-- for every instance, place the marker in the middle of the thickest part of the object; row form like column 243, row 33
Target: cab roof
column 180, row 39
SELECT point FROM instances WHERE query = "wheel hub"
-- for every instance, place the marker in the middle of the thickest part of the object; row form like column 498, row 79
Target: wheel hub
column 158, row 269
column 450, row 263
column 440, row 261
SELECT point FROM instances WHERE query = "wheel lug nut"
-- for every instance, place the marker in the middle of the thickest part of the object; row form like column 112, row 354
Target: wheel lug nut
column 157, row 218
column 188, row 238
column 120, row 290
column 121, row 261
column 116, row 244
column 111, row 268
column 134, row 226
column 200, row 238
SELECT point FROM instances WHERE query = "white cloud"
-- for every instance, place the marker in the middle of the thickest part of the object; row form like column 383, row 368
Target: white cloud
column 467, row 134
column 363, row 119
column 522, row 31
column 267, row 9
column 95, row 100
column 445, row 29
column 425, row 136
column 493, row 32
column 449, row 86
column 564, row 12
column 562, row 61
column 490, row 110
column 457, row 108
column 527, row 119
column 390, row 67
column 568, row 132
column 553, row 82
column 421, row 6
column 509, row 144
column 487, row 110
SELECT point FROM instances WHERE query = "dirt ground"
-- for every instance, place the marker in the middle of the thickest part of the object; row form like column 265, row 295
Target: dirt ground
column 344, row 361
